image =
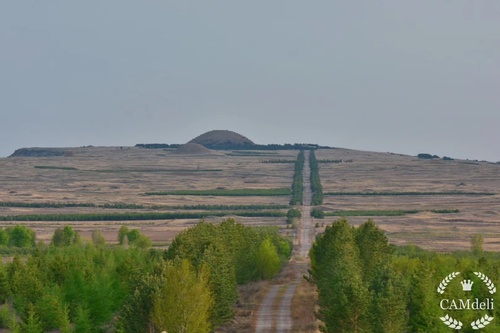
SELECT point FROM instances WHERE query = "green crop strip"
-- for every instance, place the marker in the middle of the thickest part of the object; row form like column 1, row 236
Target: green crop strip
column 405, row 193
column 137, row 216
column 229, row 193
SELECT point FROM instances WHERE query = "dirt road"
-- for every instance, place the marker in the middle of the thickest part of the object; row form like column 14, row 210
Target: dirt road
column 274, row 314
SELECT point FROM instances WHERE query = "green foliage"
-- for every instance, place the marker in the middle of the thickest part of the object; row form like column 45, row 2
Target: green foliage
column 184, row 301
column 20, row 236
column 4, row 285
column 278, row 161
column 32, row 324
column 98, row 238
column 293, row 214
column 334, row 161
column 4, row 237
column 122, row 233
column 396, row 285
column 135, row 315
column 336, row 269
column 316, row 188
column 317, row 213
column 83, row 322
column 392, row 193
column 268, row 260
column 371, row 212
column 387, row 212
column 65, row 237
column 133, row 216
column 222, row 283
column 427, row 156
column 476, row 243
column 54, row 167
column 49, row 308
column 122, row 205
column 5, row 316
column 229, row 192
column 230, row 251
column 298, row 180
column 445, row 211
column 134, row 238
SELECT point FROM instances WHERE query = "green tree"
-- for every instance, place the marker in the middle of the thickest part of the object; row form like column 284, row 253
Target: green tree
column 4, row 285
column 122, row 233
column 64, row 321
column 142, row 242
column 388, row 309
column 184, row 302
column 32, row 324
column 21, row 236
column 336, row 270
column 292, row 214
column 133, row 235
column 222, row 282
column 83, row 323
column 135, row 315
column 477, row 242
column 268, row 260
column 48, row 307
column 373, row 248
column 98, row 238
column 65, row 236
column 4, row 237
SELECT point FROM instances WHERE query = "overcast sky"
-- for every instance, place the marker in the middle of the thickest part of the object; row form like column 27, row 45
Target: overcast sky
column 385, row 75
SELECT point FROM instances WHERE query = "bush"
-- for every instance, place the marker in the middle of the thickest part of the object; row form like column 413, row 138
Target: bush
column 317, row 213
column 293, row 214
column 427, row 156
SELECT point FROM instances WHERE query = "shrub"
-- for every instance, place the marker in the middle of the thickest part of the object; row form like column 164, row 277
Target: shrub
column 292, row 214
column 317, row 213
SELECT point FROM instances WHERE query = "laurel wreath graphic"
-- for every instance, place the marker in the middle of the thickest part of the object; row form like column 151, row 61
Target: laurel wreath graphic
column 480, row 323
column 487, row 282
column 451, row 322
column 444, row 283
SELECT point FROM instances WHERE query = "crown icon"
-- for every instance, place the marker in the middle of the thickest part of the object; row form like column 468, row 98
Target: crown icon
column 467, row 285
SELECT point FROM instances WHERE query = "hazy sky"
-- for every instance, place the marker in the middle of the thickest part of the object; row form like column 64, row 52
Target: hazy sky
column 383, row 75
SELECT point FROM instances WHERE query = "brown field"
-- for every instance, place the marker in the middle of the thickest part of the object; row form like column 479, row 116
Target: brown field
column 384, row 172
column 123, row 175
column 116, row 175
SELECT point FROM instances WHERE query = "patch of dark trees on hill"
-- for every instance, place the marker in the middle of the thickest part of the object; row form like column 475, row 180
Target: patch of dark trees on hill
column 38, row 152
column 231, row 146
column 157, row 145
column 431, row 157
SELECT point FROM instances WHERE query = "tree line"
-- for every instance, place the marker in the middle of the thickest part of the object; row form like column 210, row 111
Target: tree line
column 316, row 188
column 196, row 287
column 80, row 286
column 298, row 180
column 367, row 285
column 123, row 205
column 138, row 216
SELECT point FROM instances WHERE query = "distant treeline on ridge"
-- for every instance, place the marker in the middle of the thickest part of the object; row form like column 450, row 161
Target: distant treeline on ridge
column 230, row 146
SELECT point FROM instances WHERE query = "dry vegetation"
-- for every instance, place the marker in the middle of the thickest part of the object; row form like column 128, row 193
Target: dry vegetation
column 382, row 172
column 106, row 175
column 122, row 175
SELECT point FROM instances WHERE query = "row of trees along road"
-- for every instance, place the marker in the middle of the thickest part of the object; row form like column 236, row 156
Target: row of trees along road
column 297, row 184
column 316, row 188
column 367, row 285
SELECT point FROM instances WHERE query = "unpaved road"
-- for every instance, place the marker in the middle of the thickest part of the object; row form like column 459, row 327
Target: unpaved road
column 274, row 314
